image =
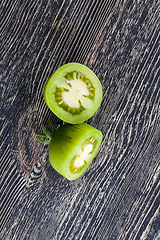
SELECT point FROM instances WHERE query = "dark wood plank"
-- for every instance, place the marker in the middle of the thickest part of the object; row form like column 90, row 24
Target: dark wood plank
column 119, row 195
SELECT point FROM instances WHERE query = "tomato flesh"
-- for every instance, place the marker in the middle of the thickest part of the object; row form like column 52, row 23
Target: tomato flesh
column 73, row 93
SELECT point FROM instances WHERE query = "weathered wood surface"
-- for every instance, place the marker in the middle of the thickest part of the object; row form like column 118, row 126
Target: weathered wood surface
column 119, row 195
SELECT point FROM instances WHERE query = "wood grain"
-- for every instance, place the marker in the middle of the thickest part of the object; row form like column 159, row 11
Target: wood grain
column 119, row 195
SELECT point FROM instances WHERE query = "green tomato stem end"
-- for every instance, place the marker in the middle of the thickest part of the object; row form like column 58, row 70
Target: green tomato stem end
column 47, row 134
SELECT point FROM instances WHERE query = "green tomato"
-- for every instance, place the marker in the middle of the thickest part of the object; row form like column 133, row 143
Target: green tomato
column 72, row 148
column 73, row 93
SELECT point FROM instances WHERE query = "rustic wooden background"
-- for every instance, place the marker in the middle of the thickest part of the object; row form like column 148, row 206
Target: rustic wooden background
column 119, row 195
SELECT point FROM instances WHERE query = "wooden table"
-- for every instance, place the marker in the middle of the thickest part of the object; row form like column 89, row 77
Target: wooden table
column 118, row 197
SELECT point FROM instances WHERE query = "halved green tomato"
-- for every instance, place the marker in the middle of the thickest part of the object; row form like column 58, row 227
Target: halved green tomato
column 72, row 148
column 73, row 93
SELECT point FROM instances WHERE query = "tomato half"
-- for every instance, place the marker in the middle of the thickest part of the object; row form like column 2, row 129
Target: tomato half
column 72, row 147
column 73, row 93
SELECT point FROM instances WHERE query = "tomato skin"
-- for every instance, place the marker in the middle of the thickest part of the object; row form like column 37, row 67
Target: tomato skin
column 66, row 142
column 57, row 79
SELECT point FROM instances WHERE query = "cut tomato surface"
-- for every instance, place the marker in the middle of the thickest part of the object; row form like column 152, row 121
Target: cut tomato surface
column 73, row 93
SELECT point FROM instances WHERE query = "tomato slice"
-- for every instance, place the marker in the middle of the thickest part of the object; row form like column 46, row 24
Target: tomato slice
column 73, row 93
